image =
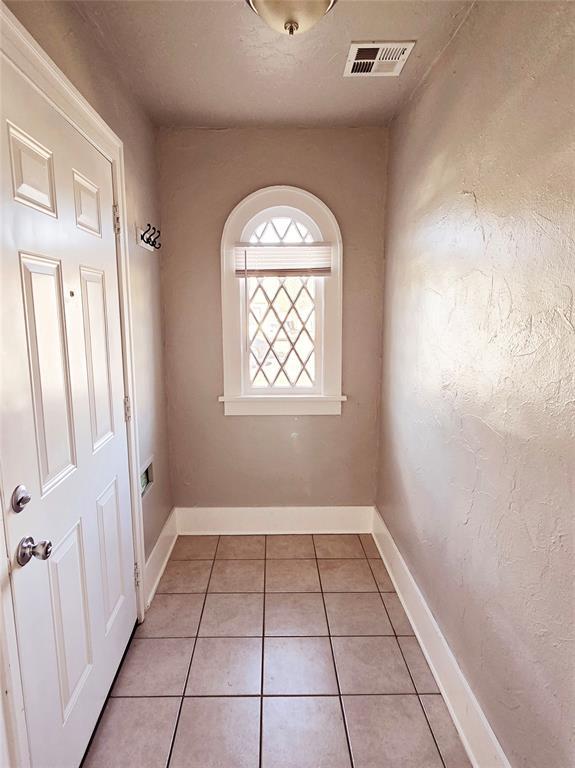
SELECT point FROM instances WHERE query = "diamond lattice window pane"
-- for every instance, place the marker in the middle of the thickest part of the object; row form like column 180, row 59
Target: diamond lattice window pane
column 270, row 326
column 271, row 367
column 293, row 367
column 304, row 380
column 304, row 346
column 304, row 304
column 260, row 381
column 292, row 235
column 310, row 366
column 281, row 316
column 282, row 381
column 281, row 224
column 282, row 346
column 282, row 304
column 270, row 286
column 259, row 346
column 293, row 286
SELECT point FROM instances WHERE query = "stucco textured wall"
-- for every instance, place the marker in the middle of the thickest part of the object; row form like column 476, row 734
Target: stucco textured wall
column 477, row 464
column 73, row 44
column 219, row 460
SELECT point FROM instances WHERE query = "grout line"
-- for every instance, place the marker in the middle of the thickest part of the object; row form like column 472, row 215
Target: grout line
column 173, row 741
column 108, row 696
column 267, row 696
column 412, row 680
column 263, row 652
column 256, row 637
column 333, row 662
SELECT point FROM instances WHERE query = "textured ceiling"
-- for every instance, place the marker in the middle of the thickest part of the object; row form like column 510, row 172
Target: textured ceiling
column 215, row 63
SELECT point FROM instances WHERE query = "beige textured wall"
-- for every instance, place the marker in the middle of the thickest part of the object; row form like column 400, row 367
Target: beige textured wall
column 219, row 460
column 73, row 45
column 477, row 451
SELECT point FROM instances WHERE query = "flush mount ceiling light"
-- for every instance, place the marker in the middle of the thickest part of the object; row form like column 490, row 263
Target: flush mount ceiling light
column 291, row 17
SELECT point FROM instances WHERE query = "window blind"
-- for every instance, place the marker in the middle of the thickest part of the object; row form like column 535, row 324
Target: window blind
column 282, row 260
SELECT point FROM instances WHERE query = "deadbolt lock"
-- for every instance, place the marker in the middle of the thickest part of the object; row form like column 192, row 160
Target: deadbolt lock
column 20, row 497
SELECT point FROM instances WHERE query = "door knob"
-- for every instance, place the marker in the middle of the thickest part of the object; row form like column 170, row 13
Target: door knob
column 27, row 550
column 20, row 497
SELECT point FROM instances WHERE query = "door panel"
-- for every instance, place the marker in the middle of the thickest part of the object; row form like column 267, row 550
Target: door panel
column 97, row 355
column 67, row 569
column 32, row 172
column 110, row 530
column 62, row 433
column 44, row 311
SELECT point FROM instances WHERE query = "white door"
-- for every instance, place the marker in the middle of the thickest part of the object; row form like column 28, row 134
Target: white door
column 63, row 433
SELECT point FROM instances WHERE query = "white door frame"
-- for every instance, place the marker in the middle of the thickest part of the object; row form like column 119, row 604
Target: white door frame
column 19, row 47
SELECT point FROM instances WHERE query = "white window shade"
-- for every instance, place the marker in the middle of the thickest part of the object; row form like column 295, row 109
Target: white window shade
column 282, row 260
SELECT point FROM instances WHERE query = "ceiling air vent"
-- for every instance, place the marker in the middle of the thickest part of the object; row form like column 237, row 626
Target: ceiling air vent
column 375, row 59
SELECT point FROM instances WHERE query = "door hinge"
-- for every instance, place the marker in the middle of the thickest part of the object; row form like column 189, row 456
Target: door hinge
column 116, row 214
column 127, row 408
column 136, row 575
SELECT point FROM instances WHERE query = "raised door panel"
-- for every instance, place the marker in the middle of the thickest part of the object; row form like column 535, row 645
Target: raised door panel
column 110, row 533
column 87, row 204
column 70, row 616
column 32, row 172
column 48, row 357
column 97, row 355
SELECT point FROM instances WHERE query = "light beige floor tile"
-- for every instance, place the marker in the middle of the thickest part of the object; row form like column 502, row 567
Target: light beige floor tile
column 218, row 733
column 134, row 733
column 292, row 576
column 154, row 668
column 422, row 676
column 448, row 741
column 337, row 545
column 295, row 614
column 237, row 576
column 241, row 548
column 389, row 731
column 226, row 666
column 185, row 576
column 346, row 576
column 194, row 548
column 303, row 733
column 382, row 577
column 289, row 546
column 352, row 613
column 397, row 615
column 298, row 666
column 232, row 615
column 172, row 616
column 369, row 545
column 370, row 665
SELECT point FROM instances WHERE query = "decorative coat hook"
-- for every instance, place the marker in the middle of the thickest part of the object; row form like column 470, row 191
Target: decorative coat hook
column 150, row 236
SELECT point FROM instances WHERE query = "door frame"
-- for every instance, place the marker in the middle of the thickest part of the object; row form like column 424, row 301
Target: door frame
column 19, row 48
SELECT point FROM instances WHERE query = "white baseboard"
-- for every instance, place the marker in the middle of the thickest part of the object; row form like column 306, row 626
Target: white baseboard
column 159, row 556
column 238, row 520
column 476, row 734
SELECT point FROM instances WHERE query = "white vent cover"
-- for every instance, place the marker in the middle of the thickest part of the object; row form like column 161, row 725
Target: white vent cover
column 373, row 59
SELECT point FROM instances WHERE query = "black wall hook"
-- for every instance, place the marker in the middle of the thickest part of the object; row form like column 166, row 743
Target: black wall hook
column 151, row 236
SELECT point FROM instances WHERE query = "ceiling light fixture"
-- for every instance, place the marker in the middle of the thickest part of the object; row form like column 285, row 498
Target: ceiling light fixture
column 291, row 16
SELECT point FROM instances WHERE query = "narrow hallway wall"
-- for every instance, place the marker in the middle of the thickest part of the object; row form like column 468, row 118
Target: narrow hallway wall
column 232, row 461
column 61, row 31
column 477, row 460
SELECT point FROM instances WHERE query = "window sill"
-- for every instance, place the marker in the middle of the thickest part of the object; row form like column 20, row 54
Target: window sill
column 283, row 405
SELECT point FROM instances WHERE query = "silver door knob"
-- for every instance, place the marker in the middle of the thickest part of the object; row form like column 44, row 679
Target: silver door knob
column 20, row 497
column 27, row 550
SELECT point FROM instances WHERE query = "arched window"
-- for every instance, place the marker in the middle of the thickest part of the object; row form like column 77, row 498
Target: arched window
column 281, row 299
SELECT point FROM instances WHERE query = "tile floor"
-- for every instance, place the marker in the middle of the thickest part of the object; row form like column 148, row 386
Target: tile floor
column 275, row 652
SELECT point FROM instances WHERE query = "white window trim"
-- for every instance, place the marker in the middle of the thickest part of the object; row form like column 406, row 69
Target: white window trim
column 236, row 401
